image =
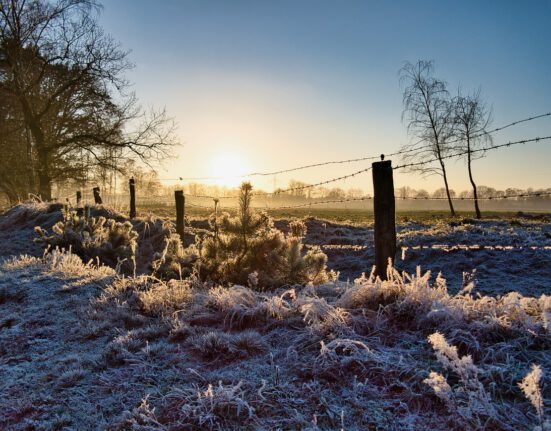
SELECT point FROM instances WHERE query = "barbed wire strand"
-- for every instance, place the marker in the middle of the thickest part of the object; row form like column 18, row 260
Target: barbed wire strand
column 406, row 198
column 407, row 165
column 346, row 161
column 462, row 153
column 290, row 189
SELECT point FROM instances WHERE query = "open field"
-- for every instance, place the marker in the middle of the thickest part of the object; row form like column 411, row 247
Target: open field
column 349, row 215
column 83, row 348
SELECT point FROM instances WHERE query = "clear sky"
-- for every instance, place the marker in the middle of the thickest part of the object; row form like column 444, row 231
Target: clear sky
column 264, row 85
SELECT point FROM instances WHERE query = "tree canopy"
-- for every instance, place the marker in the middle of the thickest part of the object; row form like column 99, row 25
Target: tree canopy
column 66, row 105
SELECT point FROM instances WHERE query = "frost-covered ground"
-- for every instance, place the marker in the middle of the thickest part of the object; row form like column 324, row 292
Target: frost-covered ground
column 508, row 255
column 81, row 349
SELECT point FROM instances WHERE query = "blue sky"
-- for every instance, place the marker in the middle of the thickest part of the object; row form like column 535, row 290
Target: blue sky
column 272, row 85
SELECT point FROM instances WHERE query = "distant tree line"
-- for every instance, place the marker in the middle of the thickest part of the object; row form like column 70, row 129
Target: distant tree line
column 66, row 110
column 148, row 184
column 483, row 192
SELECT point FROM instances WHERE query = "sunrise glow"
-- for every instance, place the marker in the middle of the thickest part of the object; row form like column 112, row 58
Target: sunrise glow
column 228, row 169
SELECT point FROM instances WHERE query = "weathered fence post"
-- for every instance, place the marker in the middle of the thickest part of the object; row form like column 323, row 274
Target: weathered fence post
column 384, row 209
column 216, row 200
column 180, row 202
column 132, row 188
column 79, row 198
column 97, row 197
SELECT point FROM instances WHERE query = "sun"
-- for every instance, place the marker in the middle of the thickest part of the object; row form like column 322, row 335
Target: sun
column 228, row 169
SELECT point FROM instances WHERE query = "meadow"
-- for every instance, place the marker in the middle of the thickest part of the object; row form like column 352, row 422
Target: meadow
column 87, row 344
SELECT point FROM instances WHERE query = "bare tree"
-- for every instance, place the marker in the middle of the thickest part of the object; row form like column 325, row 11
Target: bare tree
column 66, row 78
column 443, row 193
column 427, row 114
column 472, row 118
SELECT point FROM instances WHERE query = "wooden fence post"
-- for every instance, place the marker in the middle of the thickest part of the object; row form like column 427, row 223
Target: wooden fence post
column 79, row 198
column 97, row 197
column 216, row 200
column 180, row 204
column 384, row 209
column 132, row 188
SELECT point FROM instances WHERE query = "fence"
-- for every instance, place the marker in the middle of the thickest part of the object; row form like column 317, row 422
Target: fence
column 383, row 199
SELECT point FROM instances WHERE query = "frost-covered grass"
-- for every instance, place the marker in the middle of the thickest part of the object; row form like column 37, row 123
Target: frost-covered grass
column 507, row 254
column 81, row 348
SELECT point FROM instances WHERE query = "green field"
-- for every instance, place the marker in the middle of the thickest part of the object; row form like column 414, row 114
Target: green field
column 340, row 215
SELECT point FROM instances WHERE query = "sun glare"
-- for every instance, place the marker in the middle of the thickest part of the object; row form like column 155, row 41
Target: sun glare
column 228, row 168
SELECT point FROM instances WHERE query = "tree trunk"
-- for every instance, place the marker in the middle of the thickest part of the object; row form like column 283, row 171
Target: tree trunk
column 10, row 192
column 30, row 162
column 452, row 210
column 44, row 179
column 475, row 194
column 44, row 186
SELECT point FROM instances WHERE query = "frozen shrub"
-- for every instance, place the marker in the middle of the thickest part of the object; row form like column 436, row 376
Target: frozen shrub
column 174, row 261
column 316, row 264
column 249, row 243
column 297, row 229
column 110, row 241
column 409, row 294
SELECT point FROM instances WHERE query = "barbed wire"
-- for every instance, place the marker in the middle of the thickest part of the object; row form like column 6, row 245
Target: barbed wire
column 290, row 189
column 514, row 123
column 437, row 247
column 283, row 171
column 197, row 205
column 353, row 174
column 346, row 161
column 475, row 247
column 462, row 153
column 406, row 198
column 330, row 201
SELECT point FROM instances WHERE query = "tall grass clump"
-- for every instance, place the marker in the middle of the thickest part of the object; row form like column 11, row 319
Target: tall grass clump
column 175, row 261
column 531, row 388
column 113, row 243
column 468, row 400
